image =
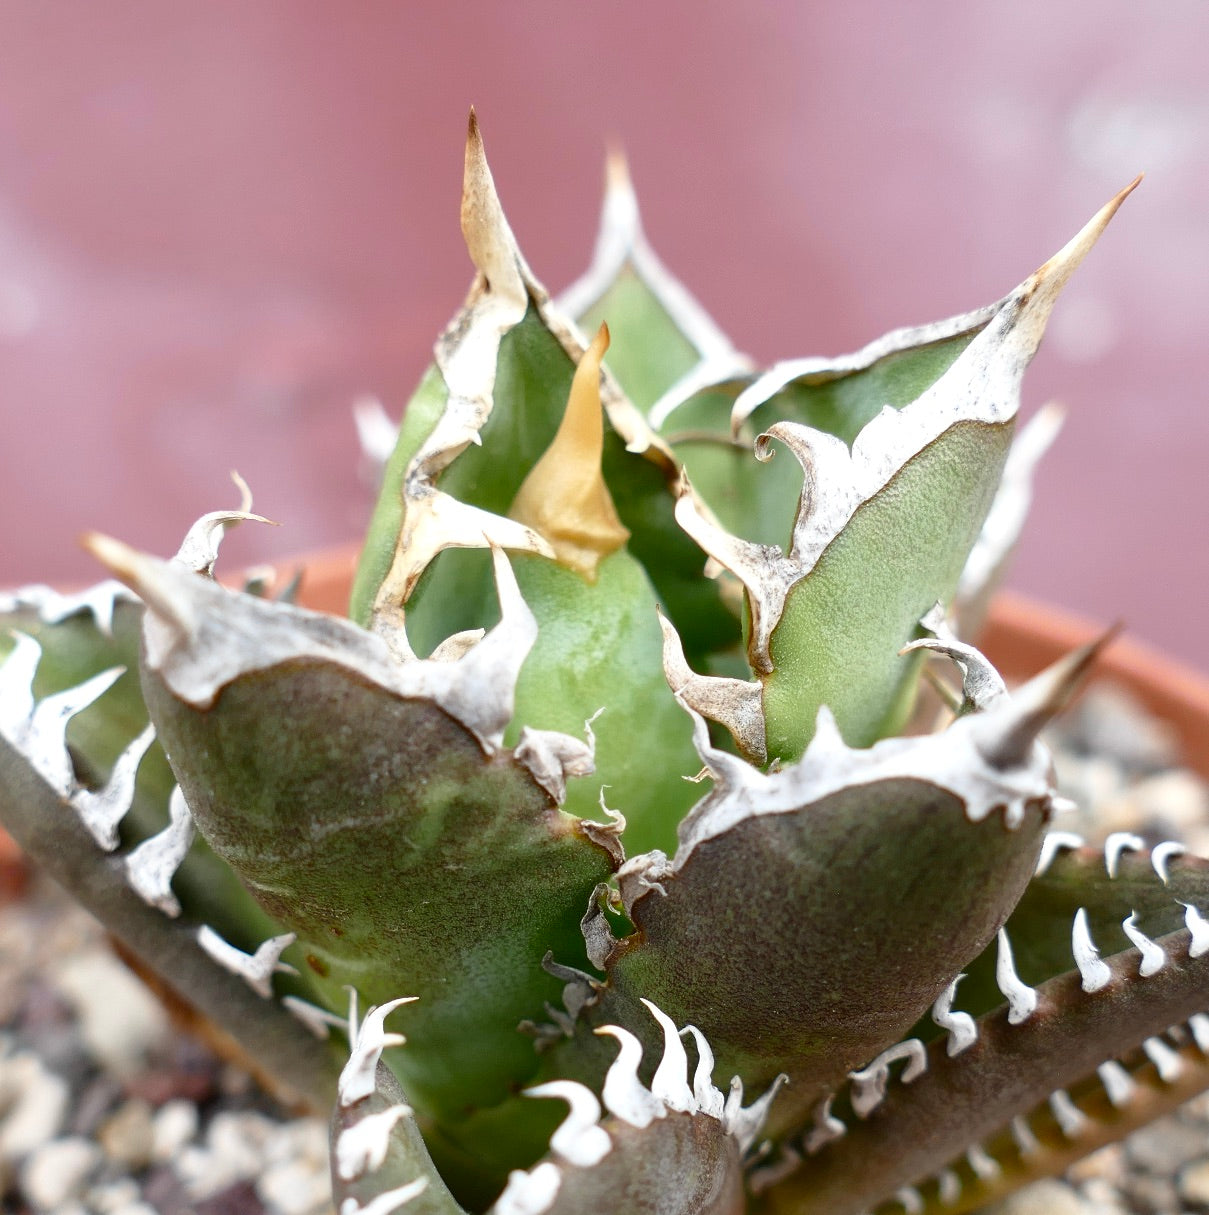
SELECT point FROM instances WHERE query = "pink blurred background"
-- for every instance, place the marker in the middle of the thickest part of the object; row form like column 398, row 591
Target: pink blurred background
column 222, row 222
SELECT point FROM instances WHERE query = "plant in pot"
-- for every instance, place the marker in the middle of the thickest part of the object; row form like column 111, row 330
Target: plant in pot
column 615, row 787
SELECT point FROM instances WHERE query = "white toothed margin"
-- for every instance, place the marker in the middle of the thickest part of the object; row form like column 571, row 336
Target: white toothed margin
column 745, row 1123
column 53, row 608
column 963, row 1032
column 984, row 1166
column 1153, row 957
column 362, row 1147
column 826, row 1129
column 1027, row 1144
column 1009, row 508
column 579, row 1140
column 869, row 1083
column 1198, row 1026
column 1115, row 844
column 981, row 683
column 552, row 756
column 1055, row 842
column 258, row 969
column 734, row 703
column 530, row 1193
column 39, row 731
column 1167, row 1062
column 318, row 1020
column 623, row 1093
column 1162, row 854
column 910, row 1199
column 953, row 760
column 369, row 1041
column 1118, row 1084
column 199, row 549
column 948, row 1187
column 387, row 1203
column 200, row 636
column 1094, row 972
column 102, row 810
column 151, row 866
column 670, row 1082
column 1198, row 927
column 982, row 385
column 1071, row 1120
column 707, row 1094
column 1022, row 999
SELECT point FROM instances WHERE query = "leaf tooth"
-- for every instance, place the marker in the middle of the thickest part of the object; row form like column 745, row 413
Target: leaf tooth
column 1153, row 957
column 17, row 687
column 982, row 685
column 1167, row 1062
column 1198, row 926
column 1071, row 1120
column 1022, row 999
column 826, row 1129
column 579, row 1139
column 45, row 741
column 1027, row 1143
column 983, row 1165
column 1055, row 842
column 1118, row 1084
column 1115, row 844
column 744, row 1123
column 869, row 1083
column 102, row 810
column 151, row 866
column 1095, row 973
column 368, row 1041
column 199, row 549
column 670, row 1082
column 948, row 1187
column 362, row 1147
column 706, row 1093
column 736, row 704
column 256, row 969
column 1198, row 1026
column 529, row 1193
column 551, row 756
column 623, row 1093
column 910, row 1199
column 388, row 1202
column 318, row 1020
column 962, row 1029
column 1163, row 853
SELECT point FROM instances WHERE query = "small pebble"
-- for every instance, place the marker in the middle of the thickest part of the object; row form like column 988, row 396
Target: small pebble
column 35, row 1102
column 295, row 1187
column 175, row 1123
column 58, row 1171
column 1045, row 1198
column 1194, row 1183
column 128, row 1134
column 1162, row 1149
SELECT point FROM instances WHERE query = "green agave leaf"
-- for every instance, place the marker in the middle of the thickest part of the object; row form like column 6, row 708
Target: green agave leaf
column 811, row 914
column 80, row 636
column 883, row 528
column 367, row 805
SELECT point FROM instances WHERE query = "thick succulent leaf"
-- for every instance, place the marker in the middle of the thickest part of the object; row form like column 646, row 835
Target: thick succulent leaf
column 811, row 915
column 663, row 340
column 1042, row 927
column 48, row 831
column 1073, row 1052
column 883, row 528
column 81, row 636
column 367, row 806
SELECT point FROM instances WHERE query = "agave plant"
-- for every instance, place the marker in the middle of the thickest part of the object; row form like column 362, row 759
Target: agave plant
column 619, row 778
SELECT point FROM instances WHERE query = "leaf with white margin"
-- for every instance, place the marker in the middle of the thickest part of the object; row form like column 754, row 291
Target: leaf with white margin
column 812, row 914
column 365, row 802
column 883, row 528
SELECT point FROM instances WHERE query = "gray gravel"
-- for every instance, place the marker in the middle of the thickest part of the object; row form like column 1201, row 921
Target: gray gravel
column 106, row 1110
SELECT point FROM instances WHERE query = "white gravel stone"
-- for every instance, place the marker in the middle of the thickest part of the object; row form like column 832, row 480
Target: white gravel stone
column 59, row 1171
column 1194, row 1183
column 112, row 1197
column 34, row 1101
column 175, row 1123
column 127, row 1135
column 120, row 1020
column 233, row 1152
column 295, row 1187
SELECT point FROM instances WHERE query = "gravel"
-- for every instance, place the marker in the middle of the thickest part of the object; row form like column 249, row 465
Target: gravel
column 106, row 1109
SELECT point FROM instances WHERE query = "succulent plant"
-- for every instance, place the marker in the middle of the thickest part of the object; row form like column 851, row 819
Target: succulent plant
column 588, row 584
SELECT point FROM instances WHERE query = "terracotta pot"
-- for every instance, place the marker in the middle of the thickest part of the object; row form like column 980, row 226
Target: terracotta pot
column 1021, row 637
